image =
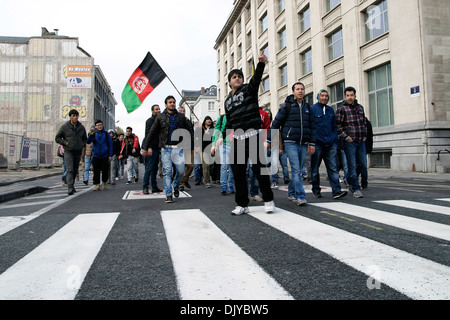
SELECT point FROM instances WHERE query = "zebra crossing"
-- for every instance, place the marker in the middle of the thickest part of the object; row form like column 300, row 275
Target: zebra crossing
column 209, row 264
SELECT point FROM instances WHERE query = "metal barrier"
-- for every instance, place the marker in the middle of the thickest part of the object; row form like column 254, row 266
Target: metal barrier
column 22, row 152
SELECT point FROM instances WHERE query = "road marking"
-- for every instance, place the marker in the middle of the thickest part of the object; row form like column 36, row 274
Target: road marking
column 138, row 195
column 444, row 199
column 414, row 276
column 432, row 229
column 11, row 222
column 209, row 265
column 57, row 267
column 417, row 206
column 25, row 204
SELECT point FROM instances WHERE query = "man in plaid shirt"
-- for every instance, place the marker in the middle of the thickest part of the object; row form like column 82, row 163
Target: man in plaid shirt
column 352, row 129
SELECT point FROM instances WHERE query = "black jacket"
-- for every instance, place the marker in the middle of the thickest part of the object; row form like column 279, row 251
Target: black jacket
column 296, row 122
column 161, row 127
column 154, row 143
column 242, row 109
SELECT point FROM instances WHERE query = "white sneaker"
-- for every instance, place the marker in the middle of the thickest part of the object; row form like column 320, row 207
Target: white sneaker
column 257, row 198
column 301, row 202
column 269, row 206
column 239, row 210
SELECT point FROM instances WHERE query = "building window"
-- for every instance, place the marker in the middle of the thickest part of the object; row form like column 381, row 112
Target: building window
column 381, row 100
column 283, row 76
column 307, row 61
column 265, row 84
column 282, row 38
column 248, row 12
column 265, row 48
column 305, row 19
column 309, row 98
column 337, row 95
column 331, row 4
column 263, row 23
column 249, row 39
column 281, row 6
column 335, row 45
column 377, row 21
column 239, row 51
column 211, row 106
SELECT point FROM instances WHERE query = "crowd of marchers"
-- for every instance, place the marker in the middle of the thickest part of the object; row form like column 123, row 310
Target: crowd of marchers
column 235, row 151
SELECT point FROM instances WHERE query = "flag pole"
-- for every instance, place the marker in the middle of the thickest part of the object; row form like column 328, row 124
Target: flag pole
column 183, row 99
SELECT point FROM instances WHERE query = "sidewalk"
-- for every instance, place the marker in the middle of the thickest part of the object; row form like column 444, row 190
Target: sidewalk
column 9, row 179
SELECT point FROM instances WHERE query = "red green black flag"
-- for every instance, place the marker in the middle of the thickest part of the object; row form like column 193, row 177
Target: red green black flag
column 142, row 82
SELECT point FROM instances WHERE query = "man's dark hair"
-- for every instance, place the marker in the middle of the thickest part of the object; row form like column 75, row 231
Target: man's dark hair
column 98, row 121
column 296, row 84
column 350, row 89
column 153, row 106
column 130, row 128
column 169, row 97
column 73, row 111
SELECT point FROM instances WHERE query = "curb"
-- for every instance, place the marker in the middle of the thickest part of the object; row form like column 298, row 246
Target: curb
column 21, row 193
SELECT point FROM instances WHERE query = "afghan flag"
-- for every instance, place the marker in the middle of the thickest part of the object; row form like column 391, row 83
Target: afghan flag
column 142, row 82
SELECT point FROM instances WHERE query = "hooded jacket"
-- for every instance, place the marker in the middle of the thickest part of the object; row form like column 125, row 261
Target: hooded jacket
column 101, row 144
column 296, row 124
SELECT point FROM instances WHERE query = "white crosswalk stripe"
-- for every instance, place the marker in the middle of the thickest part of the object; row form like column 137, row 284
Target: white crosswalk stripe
column 56, row 269
column 209, row 264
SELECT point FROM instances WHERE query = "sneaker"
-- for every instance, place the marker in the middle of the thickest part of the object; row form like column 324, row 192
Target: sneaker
column 104, row 186
column 71, row 191
column 286, row 181
column 207, row 185
column 231, row 190
column 113, row 183
column 269, row 206
column 318, row 195
column 64, row 182
column 145, row 191
column 181, row 188
column 85, row 182
column 187, row 185
column 97, row 187
column 136, row 180
column 274, row 185
column 169, row 199
column 224, row 191
column 117, row 178
column 339, row 194
column 156, row 190
column 197, row 183
column 292, row 198
column 128, row 182
column 176, row 192
column 257, row 198
column 358, row 194
column 239, row 210
column 301, row 202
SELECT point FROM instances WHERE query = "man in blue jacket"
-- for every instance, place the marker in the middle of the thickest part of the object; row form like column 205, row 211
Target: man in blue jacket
column 326, row 146
column 102, row 152
column 297, row 131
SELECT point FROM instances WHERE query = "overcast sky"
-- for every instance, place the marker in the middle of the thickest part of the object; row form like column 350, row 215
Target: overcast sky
column 180, row 34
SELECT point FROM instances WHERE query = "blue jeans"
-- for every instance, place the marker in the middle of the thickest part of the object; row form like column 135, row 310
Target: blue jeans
column 87, row 166
column 151, row 169
column 329, row 157
column 226, row 175
column 296, row 154
column 356, row 155
column 170, row 157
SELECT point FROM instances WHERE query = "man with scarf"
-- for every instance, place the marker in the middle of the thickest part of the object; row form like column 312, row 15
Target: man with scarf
column 326, row 146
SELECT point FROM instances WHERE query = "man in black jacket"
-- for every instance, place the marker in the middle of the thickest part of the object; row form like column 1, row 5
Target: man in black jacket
column 168, row 124
column 151, row 161
column 72, row 136
column 243, row 117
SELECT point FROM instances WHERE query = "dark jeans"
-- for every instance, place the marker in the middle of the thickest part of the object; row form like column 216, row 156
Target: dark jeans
column 329, row 157
column 100, row 165
column 356, row 155
column 151, row 169
column 241, row 155
column 72, row 160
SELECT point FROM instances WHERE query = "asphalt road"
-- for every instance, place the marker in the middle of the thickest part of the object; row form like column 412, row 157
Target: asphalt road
column 118, row 244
